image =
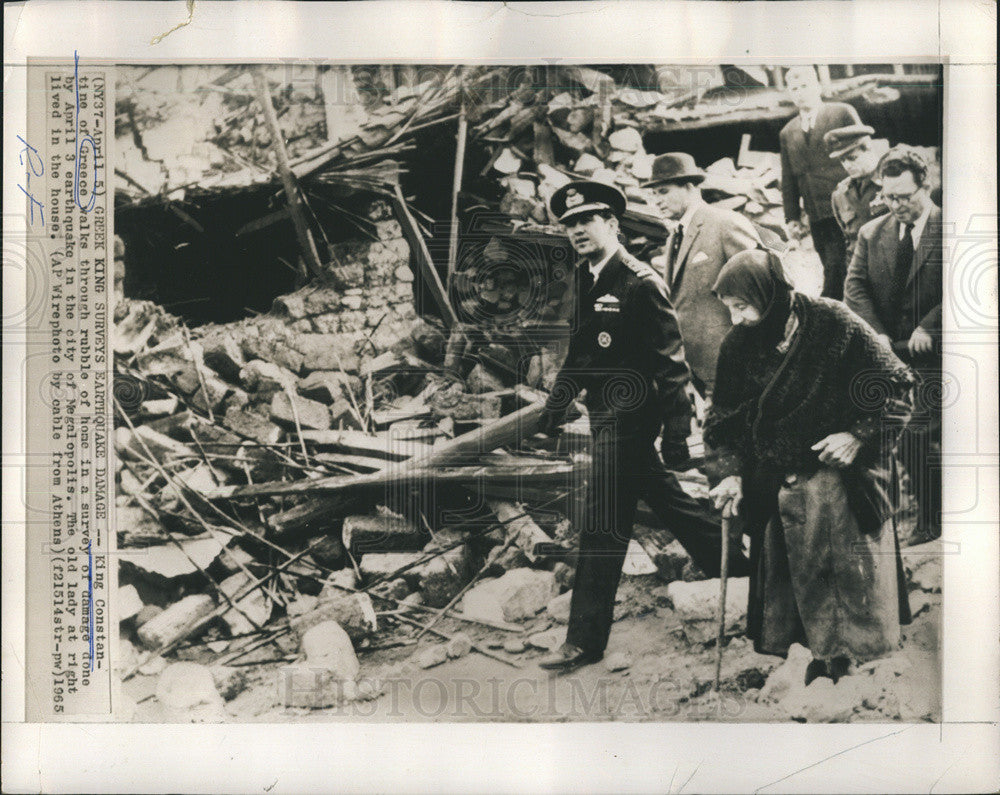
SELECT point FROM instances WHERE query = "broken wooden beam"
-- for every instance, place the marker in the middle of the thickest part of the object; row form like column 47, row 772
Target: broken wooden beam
column 526, row 534
column 510, row 429
column 292, row 193
column 418, row 247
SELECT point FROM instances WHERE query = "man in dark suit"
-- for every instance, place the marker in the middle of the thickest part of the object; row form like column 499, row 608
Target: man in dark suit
column 895, row 283
column 626, row 352
column 808, row 175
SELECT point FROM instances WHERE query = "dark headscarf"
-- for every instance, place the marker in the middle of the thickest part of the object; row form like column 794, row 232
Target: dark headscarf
column 757, row 277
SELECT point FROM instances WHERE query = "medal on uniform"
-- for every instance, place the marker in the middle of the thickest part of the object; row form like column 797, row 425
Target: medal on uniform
column 604, row 339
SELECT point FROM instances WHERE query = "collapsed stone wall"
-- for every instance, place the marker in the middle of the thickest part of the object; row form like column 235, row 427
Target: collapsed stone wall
column 374, row 308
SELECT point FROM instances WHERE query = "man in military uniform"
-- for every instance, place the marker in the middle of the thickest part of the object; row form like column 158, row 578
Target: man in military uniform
column 858, row 197
column 626, row 352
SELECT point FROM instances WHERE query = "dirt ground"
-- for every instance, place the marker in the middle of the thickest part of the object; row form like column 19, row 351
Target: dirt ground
column 666, row 679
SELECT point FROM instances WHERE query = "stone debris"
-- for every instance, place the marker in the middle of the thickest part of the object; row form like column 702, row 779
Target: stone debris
column 697, row 606
column 459, row 645
column 549, row 640
column 558, row 607
column 188, row 694
column 129, row 603
column 517, row 595
column 326, row 645
column 431, row 656
column 513, row 645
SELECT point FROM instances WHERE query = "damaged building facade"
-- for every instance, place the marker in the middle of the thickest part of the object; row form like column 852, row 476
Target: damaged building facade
column 336, row 317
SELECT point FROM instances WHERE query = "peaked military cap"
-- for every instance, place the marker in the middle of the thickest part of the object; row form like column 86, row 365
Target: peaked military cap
column 586, row 196
column 844, row 139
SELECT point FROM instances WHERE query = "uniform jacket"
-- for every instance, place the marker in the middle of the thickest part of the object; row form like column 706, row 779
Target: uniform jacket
column 855, row 203
column 713, row 237
column 625, row 348
column 807, row 172
column 869, row 286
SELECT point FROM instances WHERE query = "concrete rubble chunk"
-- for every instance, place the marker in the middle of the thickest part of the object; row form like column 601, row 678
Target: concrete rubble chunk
column 380, row 532
column 326, row 645
column 265, row 378
column 129, row 603
column 787, row 675
column 254, row 608
column 671, row 560
column 459, row 645
column 251, row 424
column 513, row 645
column 175, row 621
column 353, row 612
column 381, row 564
column 327, row 352
column 558, row 607
column 328, row 552
column 517, row 595
column 171, row 560
column 130, row 443
column 223, row 355
column 627, row 139
column 344, row 415
column 230, row 681
column 269, row 348
column 548, row 640
column 187, row 692
column 190, row 483
column 305, row 414
column 431, row 656
column 443, row 576
column 697, row 605
column 327, row 386
column 309, row 686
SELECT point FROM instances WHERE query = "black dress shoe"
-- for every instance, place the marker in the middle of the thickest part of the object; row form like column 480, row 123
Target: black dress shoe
column 839, row 666
column 569, row 656
column 815, row 670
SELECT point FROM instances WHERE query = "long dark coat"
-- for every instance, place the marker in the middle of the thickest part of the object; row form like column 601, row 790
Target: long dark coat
column 825, row 567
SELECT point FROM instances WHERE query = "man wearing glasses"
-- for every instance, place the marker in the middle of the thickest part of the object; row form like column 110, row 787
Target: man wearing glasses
column 895, row 283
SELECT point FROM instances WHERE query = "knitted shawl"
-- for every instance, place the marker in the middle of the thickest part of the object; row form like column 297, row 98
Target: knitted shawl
column 837, row 376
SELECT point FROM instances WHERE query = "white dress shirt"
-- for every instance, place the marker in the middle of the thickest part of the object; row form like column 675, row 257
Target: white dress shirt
column 595, row 269
column 808, row 120
column 918, row 227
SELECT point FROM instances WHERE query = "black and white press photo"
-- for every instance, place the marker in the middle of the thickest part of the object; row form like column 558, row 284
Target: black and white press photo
column 565, row 392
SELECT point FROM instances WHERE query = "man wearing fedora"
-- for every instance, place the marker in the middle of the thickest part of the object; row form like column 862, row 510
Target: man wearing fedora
column 702, row 239
column 808, row 175
column 626, row 352
column 858, row 197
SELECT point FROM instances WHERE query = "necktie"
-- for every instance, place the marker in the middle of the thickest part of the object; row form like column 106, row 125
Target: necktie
column 904, row 257
column 904, row 261
column 675, row 247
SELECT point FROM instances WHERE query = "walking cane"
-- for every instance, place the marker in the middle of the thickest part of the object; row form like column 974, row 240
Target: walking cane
column 723, row 577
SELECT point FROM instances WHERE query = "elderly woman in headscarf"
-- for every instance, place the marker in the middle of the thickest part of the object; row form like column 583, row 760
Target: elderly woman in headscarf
column 807, row 406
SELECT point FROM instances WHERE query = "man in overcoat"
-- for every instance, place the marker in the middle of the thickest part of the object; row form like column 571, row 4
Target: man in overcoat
column 808, row 175
column 625, row 351
column 895, row 283
column 702, row 239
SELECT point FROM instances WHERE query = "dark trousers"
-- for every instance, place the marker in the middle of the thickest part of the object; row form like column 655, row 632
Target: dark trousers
column 919, row 449
column 829, row 243
column 624, row 468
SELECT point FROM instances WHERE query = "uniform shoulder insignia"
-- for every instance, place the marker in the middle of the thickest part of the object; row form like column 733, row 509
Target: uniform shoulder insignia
column 640, row 268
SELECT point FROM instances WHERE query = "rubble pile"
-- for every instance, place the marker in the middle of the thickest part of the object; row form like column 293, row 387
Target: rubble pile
column 541, row 138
